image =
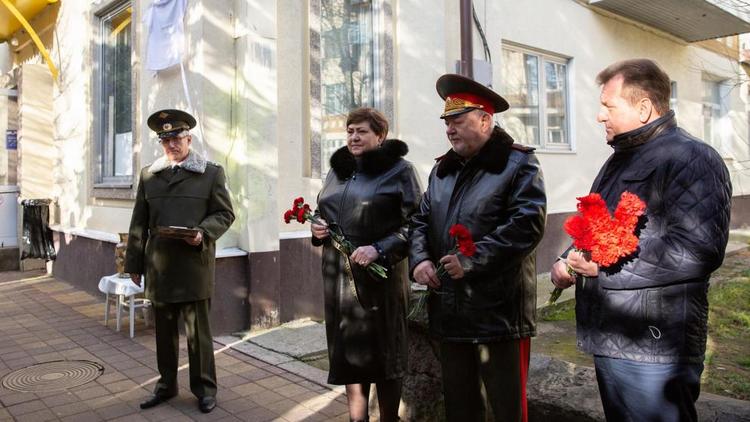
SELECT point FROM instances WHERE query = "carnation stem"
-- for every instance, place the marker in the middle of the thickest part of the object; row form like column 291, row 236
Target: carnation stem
column 374, row 269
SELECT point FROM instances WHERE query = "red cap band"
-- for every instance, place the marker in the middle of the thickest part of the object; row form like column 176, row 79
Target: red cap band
column 474, row 99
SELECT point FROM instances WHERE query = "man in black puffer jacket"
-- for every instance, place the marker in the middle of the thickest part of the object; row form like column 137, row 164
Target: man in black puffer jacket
column 483, row 310
column 645, row 318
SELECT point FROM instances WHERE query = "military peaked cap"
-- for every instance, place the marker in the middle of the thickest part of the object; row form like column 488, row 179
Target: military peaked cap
column 168, row 123
column 462, row 94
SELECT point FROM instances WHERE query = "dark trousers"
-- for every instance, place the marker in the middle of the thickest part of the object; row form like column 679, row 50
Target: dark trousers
column 637, row 391
column 200, row 347
column 501, row 367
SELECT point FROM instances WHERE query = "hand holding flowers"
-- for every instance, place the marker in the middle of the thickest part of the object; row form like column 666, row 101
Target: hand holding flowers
column 449, row 265
column 363, row 255
column 603, row 239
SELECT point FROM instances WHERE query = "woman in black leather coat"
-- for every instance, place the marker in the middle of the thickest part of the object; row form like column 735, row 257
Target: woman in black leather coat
column 369, row 195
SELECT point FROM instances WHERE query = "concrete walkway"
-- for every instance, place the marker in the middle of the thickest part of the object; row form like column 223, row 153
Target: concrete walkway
column 44, row 320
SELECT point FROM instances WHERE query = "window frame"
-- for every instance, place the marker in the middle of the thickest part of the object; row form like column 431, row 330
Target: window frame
column 721, row 107
column 382, row 76
column 542, row 58
column 103, row 148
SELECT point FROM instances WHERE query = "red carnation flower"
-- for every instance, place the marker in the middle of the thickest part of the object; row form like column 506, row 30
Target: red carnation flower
column 288, row 215
column 301, row 215
column 459, row 231
column 467, row 248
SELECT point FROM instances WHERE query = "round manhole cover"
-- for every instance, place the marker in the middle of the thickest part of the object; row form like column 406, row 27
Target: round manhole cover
column 52, row 376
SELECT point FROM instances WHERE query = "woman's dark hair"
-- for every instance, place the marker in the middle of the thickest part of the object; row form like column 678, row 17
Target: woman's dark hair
column 377, row 121
column 641, row 78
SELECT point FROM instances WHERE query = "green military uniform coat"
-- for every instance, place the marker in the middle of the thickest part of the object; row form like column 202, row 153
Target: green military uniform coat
column 179, row 276
column 194, row 196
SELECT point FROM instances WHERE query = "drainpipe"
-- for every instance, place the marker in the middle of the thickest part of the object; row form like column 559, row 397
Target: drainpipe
column 467, row 52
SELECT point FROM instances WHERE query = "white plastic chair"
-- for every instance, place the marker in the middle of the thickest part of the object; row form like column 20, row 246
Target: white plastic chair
column 124, row 291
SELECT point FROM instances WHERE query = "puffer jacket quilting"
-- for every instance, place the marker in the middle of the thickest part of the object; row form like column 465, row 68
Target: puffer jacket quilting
column 652, row 306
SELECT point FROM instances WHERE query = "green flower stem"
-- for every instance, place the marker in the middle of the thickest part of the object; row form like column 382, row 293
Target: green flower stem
column 374, row 269
column 555, row 294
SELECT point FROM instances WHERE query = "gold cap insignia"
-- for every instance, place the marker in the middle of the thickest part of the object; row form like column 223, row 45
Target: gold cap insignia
column 167, row 126
column 453, row 104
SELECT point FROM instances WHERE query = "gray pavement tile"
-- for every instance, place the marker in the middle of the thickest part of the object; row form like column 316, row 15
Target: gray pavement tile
column 70, row 409
column 237, row 405
column 20, row 409
column 267, row 397
column 162, row 412
column 14, row 397
column 110, row 377
column 197, row 415
column 92, row 392
column 14, row 355
column 273, row 382
column 121, row 386
column 308, row 372
column 258, row 414
column 116, row 411
column 249, row 389
column 89, row 416
column 15, row 364
column 291, row 390
column 136, row 417
column 231, row 381
column 60, row 399
column 138, row 371
column 39, row 416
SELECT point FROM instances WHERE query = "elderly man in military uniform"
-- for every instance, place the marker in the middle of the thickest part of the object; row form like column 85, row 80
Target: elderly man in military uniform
column 181, row 208
column 483, row 310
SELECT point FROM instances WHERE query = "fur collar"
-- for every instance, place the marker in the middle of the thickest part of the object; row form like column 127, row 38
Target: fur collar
column 194, row 162
column 375, row 161
column 492, row 157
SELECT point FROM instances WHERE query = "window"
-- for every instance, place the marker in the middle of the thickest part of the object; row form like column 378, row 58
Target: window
column 114, row 132
column 713, row 111
column 348, row 71
column 536, row 86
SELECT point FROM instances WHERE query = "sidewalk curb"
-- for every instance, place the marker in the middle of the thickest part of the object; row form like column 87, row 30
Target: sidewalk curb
column 286, row 362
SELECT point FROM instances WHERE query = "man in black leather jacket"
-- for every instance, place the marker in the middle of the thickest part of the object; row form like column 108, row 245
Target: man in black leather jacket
column 645, row 318
column 483, row 310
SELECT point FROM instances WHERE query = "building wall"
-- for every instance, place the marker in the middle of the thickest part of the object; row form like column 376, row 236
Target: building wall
column 35, row 135
column 247, row 70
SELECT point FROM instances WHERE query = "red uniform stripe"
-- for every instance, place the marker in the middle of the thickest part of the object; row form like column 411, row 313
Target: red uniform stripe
column 524, row 345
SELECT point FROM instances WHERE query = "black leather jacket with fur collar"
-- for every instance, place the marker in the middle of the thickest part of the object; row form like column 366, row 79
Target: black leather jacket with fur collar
column 499, row 196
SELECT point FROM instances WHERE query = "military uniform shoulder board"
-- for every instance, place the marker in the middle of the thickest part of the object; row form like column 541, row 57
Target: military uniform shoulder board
column 523, row 148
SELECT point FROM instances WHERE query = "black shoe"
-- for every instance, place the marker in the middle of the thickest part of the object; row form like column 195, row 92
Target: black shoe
column 207, row 404
column 154, row 400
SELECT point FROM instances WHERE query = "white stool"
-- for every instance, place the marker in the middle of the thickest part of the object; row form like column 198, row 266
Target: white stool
column 122, row 288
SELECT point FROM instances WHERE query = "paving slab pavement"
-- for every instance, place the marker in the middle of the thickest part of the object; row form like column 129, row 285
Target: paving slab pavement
column 43, row 319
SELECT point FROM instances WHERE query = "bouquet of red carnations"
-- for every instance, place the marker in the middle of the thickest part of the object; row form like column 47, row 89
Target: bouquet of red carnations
column 595, row 231
column 465, row 245
column 302, row 212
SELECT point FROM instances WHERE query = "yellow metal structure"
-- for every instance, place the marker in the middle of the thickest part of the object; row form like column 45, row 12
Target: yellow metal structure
column 15, row 14
column 9, row 23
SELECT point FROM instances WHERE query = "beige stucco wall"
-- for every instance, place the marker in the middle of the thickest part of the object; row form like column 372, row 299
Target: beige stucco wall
column 209, row 70
column 5, row 66
column 35, row 136
column 592, row 40
column 247, row 71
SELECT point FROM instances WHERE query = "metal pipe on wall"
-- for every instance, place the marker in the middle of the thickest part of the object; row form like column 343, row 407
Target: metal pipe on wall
column 467, row 51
